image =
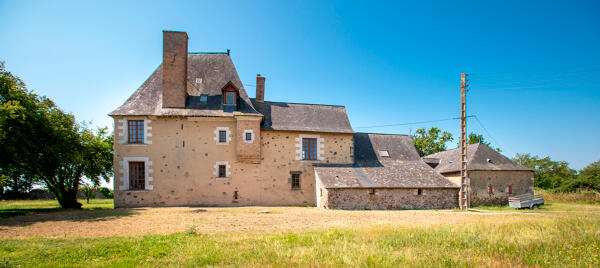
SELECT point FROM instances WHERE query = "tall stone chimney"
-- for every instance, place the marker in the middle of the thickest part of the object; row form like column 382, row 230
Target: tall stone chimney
column 174, row 69
column 260, row 88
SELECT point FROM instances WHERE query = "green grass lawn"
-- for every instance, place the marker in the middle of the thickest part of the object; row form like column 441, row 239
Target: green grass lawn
column 23, row 207
column 558, row 235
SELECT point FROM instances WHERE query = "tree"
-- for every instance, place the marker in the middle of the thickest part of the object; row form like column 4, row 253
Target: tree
column 42, row 142
column 430, row 141
column 588, row 179
column 89, row 190
column 473, row 138
column 548, row 174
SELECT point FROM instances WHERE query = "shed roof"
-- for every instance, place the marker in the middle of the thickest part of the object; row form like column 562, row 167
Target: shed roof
column 207, row 73
column 303, row 117
column 403, row 168
column 479, row 157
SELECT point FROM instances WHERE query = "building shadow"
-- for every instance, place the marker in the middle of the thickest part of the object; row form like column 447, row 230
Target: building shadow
column 25, row 217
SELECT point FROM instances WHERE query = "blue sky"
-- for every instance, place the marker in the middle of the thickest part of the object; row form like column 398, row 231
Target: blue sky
column 387, row 62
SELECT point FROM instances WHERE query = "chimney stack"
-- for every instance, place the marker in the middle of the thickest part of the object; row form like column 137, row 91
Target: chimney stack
column 260, row 88
column 174, row 69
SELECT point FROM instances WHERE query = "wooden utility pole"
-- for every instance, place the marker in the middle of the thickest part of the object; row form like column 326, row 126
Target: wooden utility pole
column 465, row 184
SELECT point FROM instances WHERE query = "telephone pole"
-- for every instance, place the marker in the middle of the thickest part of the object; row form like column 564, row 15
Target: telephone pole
column 465, row 184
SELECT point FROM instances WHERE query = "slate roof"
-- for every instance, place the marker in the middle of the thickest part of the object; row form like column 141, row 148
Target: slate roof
column 303, row 117
column 477, row 159
column 207, row 73
column 402, row 169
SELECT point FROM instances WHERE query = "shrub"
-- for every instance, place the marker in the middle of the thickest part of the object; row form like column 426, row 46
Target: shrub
column 107, row 193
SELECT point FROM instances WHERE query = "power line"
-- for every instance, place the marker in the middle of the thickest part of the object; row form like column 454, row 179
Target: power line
column 415, row 123
column 486, row 131
column 531, row 81
column 559, row 85
column 520, row 75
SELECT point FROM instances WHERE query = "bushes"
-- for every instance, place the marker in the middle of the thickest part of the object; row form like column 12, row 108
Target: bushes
column 588, row 196
column 107, row 193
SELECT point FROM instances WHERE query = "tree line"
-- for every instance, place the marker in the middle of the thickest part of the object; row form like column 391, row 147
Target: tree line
column 548, row 174
column 41, row 144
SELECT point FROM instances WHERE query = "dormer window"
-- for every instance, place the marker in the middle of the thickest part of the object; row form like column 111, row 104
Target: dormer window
column 203, row 98
column 230, row 97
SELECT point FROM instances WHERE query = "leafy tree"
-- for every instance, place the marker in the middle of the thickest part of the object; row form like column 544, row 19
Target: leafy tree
column 548, row 174
column 473, row 138
column 89, row 190
column 42, row 142
column 588, row 179
column 15, row 185
column 430, row 141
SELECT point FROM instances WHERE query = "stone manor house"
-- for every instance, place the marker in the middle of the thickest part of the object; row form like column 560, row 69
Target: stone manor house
column 190, row 135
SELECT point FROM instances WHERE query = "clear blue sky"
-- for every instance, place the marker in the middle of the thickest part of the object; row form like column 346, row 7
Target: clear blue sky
column 387, row 62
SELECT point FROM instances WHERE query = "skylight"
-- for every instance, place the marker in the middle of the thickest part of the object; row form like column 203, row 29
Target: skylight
column 384, row 153
column 203, row 98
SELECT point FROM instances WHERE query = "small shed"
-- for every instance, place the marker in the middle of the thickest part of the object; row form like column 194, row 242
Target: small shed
column 494, row 177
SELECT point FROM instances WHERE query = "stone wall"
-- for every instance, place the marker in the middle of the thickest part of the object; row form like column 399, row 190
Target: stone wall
column 183, row 158
column 521, row 182
column 359, row 198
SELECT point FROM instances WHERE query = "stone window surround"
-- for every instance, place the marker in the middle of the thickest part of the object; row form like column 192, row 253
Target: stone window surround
column 227, row 140
column 227, row 170
column 246, row 131
column 423, row 192
column 125, row 173
column 320, row 147
column 122, row 131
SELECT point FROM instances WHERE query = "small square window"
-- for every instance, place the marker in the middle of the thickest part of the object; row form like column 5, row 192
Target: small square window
column 372, row 191
column 419, row 191
column 222, row 171
column 203, row 98
column 135, row 129
column 248, row 136
column 295, row 181
column 222, row 136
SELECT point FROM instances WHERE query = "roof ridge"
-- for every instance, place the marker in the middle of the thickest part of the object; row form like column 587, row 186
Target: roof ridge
column 301, row 103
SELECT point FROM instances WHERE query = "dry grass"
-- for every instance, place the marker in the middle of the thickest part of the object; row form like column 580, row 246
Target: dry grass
column 244, row 220
column 559, row 235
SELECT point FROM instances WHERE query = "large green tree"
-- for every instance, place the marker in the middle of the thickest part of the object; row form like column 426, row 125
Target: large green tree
column 42, row 142
column 588, row 179
column 548, row 174
column 430, row 141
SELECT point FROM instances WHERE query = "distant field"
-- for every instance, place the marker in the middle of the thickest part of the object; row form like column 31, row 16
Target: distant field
column 559, row 235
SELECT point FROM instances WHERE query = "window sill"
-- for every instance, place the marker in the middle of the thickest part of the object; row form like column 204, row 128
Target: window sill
column 296, row 189
column 135, row 144
column 135, row 191
column 222, row 178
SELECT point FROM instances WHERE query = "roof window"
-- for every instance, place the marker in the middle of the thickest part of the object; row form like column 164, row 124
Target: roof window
column 384, row 153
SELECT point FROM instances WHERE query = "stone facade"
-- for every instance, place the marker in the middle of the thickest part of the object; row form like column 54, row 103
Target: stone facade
column 182, row 157
column 357, row 198
column 501, row 181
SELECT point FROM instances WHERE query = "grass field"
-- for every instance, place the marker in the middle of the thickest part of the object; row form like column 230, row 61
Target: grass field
column 559, row 235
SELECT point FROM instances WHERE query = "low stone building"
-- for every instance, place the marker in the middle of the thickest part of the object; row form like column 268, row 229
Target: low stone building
column 493, row 176
column 387, row 174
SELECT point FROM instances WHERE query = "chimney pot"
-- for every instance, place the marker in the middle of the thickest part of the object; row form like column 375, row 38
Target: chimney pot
column 260, row 88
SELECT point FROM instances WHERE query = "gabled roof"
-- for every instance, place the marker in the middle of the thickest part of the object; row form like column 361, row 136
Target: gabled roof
column 402, row 169
column 207, row 73
column 479, row 157
column 303, row 117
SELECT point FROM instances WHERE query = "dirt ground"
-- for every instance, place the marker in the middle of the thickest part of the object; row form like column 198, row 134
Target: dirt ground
column 247, row 220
